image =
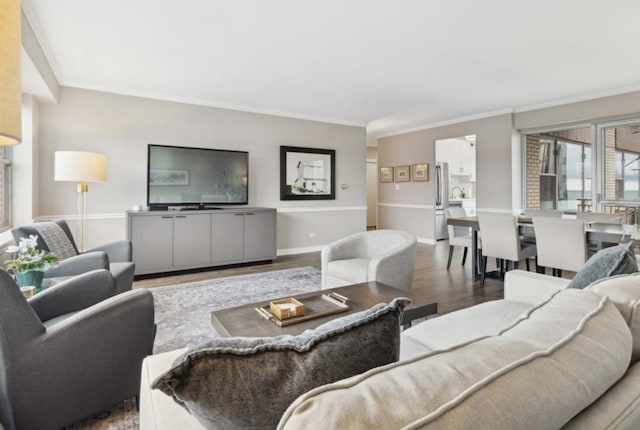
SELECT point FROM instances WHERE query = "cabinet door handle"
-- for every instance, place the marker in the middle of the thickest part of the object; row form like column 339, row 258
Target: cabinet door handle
column 181, row 216
column 249, row 213
column 239, row 214
column 167, row 217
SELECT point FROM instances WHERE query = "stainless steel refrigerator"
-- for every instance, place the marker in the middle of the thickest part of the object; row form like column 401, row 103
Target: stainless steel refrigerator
column 442, row 199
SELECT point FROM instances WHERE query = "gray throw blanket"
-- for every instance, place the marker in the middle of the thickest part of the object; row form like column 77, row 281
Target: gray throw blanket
column 56, row 239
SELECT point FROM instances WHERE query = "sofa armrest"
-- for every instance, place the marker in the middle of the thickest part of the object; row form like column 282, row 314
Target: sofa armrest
column 79, row 264
column 157, row 410
column 118, row 252
column 531, row 287
column 74, row 294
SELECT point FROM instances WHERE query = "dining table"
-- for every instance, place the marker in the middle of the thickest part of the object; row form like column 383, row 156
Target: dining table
column 600, row 234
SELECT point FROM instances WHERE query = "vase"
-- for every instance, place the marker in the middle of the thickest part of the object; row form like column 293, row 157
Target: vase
column 29, row 278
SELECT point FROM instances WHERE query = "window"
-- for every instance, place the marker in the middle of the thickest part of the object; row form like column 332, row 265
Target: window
column 560, row 166
column 5, row 187
column 621, row 168
column 558, row 170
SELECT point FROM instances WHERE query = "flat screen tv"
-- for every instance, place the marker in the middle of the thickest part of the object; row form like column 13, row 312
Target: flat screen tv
column 196, row 177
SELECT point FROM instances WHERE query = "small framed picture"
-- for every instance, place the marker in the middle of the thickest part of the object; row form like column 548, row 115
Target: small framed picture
column 402, row 173
column 386, row 174
column 420, row 172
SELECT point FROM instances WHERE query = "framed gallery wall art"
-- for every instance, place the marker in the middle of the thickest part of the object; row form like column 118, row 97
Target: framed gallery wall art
column 420, row 172
column 307, row 173
column 386, row 174
column 402, row 173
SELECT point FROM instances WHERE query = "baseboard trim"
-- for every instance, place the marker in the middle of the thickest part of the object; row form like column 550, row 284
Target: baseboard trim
column 292, row 251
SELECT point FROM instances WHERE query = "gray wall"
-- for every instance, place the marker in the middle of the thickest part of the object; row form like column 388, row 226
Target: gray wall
column 122, row 126
column 498, row 159
column 410, row 205
column 611, row 107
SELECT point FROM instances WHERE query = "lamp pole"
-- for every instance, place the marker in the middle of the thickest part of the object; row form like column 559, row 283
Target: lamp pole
column 82, row 189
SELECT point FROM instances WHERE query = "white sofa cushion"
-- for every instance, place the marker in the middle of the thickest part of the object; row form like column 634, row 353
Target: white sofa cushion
column 460, row 327
column 623, row 290
column 537, row 374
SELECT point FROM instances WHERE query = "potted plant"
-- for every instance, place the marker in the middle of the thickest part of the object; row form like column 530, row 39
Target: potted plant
column 29, row 263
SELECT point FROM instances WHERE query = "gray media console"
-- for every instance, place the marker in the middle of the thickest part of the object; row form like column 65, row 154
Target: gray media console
column 165, row 241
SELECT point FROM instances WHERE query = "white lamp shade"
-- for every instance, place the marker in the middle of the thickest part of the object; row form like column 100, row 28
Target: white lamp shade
column 76, row 166
column 10, row 93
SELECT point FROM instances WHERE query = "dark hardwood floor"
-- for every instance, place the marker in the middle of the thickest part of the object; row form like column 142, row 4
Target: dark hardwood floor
column 453, row 289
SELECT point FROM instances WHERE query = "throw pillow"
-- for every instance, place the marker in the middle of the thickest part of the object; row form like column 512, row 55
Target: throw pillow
column 616, row 260
column 248, row 383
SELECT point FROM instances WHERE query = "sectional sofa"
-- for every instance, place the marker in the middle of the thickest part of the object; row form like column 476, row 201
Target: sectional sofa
column 545, row 357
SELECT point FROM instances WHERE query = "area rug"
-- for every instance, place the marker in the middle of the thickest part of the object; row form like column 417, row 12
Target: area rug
column 183, row 311
column 183, row 318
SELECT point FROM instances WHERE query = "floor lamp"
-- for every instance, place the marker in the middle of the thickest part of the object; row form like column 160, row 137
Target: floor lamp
column 80, row 167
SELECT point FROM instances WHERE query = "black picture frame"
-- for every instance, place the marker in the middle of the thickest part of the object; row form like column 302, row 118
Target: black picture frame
column 307, row 173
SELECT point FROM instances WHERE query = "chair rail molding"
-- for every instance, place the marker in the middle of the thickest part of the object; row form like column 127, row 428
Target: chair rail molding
column 405, row 206
column 322, row 209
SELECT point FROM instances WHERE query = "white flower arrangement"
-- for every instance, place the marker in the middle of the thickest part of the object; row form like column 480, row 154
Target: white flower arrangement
column 28, row 256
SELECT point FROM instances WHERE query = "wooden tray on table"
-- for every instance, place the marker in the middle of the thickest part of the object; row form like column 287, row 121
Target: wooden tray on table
column 316, row 306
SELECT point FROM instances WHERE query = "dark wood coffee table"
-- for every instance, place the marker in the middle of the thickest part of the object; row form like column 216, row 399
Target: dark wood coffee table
column 246, row 321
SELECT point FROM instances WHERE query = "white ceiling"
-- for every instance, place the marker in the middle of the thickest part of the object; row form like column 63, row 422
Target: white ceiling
column 391, row 65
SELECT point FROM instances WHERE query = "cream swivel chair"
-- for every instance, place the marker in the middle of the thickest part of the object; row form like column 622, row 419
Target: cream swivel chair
column 386, row 256
column 458, row 236
column 561, row 243
column 501, row 239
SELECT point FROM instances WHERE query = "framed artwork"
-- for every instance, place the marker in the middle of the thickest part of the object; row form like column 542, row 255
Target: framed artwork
column 307, row 173
column 386, row 174
column 163, row 177
column 402, row 173
column 420, row 172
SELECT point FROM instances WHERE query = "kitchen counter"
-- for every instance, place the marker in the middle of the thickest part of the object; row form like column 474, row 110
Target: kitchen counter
column 469, row 204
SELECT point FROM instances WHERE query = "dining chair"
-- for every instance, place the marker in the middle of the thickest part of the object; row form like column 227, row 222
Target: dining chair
column 561, row 243
column 458, row 236
column 501, row 239
column 599, row 218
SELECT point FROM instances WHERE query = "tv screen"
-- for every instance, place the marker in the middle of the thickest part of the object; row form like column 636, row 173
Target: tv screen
column 181, row 176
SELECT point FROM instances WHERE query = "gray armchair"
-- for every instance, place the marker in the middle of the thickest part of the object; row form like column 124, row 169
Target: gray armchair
column 56, row 237
column 64, row 358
